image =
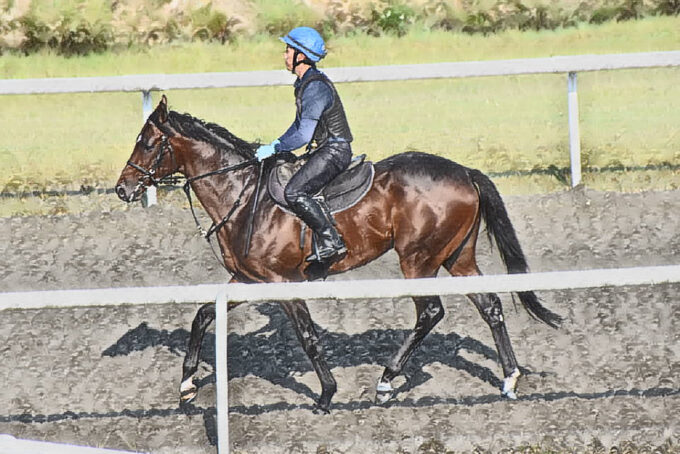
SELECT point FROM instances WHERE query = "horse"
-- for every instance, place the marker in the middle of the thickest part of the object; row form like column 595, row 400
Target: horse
column 425, row 207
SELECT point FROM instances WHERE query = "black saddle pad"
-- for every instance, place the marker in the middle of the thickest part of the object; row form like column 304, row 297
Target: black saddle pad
column 343, row 192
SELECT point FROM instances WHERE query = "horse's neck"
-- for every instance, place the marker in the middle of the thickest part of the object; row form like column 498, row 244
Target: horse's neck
column 216, row 193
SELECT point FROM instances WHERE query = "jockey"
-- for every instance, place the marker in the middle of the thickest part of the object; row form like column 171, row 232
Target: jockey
column 319, row 119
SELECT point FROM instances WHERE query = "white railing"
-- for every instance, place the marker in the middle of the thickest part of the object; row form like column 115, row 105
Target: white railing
column 363, row 289
column 561, row 64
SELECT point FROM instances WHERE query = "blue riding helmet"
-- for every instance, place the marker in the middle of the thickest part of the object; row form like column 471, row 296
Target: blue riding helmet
column 308, row 41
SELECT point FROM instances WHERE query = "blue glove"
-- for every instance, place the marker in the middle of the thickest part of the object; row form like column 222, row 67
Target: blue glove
column 266, row 151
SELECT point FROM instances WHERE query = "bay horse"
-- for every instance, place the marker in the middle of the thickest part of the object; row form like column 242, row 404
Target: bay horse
column 426, row 207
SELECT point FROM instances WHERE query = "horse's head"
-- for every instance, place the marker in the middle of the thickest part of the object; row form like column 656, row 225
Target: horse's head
column 152, row 158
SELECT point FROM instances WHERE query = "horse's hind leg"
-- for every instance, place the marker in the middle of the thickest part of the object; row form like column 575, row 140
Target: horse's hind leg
column 489, row 306
column 429, row 311
column 299, row 314
column 203, row 319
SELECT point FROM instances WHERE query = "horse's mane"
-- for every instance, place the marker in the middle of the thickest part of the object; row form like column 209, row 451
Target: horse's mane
column 210, row 133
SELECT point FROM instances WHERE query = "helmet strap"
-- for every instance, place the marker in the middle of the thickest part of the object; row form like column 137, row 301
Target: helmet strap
column 305, row 60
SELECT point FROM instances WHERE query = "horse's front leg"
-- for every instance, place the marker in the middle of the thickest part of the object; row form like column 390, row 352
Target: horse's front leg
column 299, row 314
column 203, row 319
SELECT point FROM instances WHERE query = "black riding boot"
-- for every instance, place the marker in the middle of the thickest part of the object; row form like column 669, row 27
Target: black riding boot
column 328, row 246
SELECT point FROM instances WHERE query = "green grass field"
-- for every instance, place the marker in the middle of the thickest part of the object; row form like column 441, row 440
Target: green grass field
column 628, row 117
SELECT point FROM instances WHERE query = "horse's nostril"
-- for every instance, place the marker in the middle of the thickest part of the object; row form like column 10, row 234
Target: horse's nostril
column 120, row 192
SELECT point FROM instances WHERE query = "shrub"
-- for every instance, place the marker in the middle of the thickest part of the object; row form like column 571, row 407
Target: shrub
column 604, row 14
column 209, row 25
column 80, row 38
column 77, row 27
column 36, row 34
column 629, row 9
column 440, row 14
column 393, row 18
column 342, row 17
column 479, row 22
column 667, row 7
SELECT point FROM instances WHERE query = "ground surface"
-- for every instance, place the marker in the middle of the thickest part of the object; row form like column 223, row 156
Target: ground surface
column 109, row 377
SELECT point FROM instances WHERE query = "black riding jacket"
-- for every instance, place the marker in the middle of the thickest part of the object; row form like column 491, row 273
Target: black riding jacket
column 320, row 116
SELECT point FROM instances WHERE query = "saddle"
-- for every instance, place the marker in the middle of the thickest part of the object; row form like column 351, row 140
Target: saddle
column 343, row 192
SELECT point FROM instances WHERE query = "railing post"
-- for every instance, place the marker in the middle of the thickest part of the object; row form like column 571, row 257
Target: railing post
column 150, row 197
column 574, row 136
column 221, row 372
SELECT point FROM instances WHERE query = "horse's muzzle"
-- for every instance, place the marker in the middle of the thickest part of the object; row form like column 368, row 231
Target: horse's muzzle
column 125, row 193
column 122, row 193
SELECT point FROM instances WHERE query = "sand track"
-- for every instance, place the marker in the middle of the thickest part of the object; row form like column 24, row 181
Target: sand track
column 109, row 376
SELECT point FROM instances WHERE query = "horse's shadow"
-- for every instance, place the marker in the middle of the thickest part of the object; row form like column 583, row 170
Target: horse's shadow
column 273, row 353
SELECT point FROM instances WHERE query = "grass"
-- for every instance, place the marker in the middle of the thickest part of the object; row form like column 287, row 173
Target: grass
column 628, row 117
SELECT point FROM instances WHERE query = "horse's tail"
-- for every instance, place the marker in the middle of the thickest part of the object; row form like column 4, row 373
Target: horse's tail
column 499, row 227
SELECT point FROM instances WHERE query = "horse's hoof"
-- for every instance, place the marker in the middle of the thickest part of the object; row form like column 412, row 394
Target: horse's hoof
column 187, row 391
column 320, row 410
column 383, row 392
column 509, row 385
column 509, row 395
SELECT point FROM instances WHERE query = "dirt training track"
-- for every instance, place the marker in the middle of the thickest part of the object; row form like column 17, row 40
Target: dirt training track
column 109, row 376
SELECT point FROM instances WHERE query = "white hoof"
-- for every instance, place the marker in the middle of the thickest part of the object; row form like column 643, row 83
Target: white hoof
column 383, row 392
column 509, row 395
column 187, row 390
column 509, row 385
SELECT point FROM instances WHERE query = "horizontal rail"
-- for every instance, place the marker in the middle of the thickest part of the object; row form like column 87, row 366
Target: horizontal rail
column 368, row 288
column 394, row 288
column 148, row 82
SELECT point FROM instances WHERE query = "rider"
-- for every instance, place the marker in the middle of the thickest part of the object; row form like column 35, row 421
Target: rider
column 320, row 119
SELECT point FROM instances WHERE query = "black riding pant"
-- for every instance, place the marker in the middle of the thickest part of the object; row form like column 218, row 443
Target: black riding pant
column 324, row 164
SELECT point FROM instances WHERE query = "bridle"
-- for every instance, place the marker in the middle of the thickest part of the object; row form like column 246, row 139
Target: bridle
column 150, row 176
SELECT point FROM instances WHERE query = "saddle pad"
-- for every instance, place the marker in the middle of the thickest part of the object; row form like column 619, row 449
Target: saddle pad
column 343, row 192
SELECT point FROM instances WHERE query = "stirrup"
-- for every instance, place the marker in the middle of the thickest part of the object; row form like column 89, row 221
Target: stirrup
column 328, row 256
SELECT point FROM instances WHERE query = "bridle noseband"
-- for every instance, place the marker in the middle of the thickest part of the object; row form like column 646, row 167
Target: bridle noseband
column 150, row 174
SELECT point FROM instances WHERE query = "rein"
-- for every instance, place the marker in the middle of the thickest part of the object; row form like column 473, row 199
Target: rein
column 216, row 226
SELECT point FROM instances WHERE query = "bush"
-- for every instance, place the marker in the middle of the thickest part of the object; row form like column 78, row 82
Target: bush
column 667, row 7
column 343, row 17
column 75, row 27
column 80, row 38
column 393, row 18
column 441, row 15
column 209, row 25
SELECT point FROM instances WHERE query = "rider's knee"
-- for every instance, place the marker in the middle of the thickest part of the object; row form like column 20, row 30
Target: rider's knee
column 292, row 194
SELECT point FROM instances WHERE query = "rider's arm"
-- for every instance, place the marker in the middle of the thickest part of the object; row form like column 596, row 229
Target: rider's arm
column 316, row 98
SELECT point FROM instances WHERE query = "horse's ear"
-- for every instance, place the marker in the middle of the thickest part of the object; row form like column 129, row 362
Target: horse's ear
column 163, row 109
